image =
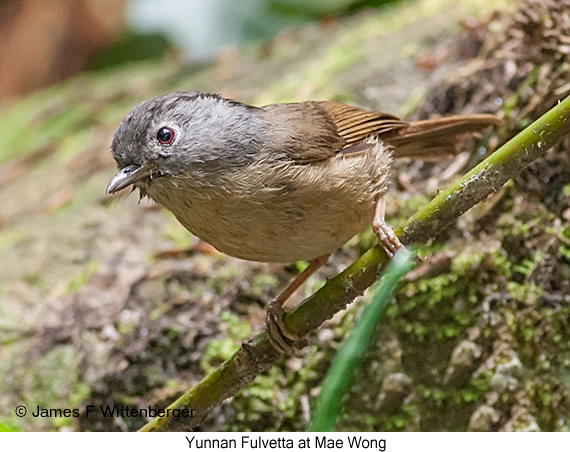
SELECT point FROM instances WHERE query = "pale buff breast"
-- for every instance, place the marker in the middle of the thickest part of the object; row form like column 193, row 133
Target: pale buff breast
column 279, row 212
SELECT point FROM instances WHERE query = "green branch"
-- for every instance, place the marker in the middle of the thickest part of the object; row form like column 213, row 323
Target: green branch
column 256, row 355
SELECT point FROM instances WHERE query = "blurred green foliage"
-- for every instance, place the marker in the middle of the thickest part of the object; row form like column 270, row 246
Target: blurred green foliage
column 235, row 22
column 320, row 8
column 272, row 15
column 130, row 47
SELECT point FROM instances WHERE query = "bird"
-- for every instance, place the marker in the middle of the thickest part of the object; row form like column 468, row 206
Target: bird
column 278, row 183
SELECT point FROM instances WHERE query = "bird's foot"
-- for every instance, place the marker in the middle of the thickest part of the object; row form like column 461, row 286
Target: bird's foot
column 386, row 237
column 282, row 340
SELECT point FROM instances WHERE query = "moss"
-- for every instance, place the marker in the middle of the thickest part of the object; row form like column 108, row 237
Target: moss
column 314, row 80
column 261, row 282
column 172, row 232
column 255, row 406
column 511, row 105
column 565, row 252
column 41, row 281
column 301, row 265
column 467, row 395
column 219, row 350
column 430, row 315
column 404, row 209
column 435, row 395
column 72, row 144
column 397, row 422
column 524, row 293
column 237, row 328
column 80, row 279
column 7, row 425
column 52, row 381
column 114, row 112
column 25, row 130
column 34, row 279
column 12, row 236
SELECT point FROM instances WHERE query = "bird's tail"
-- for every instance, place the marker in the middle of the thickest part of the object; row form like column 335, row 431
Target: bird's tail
column 434, row 139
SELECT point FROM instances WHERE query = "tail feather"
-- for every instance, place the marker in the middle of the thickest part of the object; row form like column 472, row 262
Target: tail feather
column 434, row 139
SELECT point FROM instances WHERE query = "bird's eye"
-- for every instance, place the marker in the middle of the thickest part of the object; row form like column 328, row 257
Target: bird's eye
column 165, row 135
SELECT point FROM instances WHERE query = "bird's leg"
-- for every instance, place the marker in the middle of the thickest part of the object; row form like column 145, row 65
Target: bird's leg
column 386, row 237
column 280, row 337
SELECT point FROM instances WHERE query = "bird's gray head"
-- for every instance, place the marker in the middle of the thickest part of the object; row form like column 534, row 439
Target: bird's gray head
column 184, row 134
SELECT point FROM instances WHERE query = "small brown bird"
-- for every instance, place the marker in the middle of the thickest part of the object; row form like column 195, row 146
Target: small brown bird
column 279, row 183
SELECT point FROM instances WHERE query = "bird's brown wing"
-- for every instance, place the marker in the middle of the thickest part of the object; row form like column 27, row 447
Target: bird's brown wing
column 431, row 139
column 355, row 124
column 303, row 131
column 314, row 131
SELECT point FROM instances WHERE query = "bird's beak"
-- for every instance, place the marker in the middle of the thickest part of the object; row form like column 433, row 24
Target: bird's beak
column 128, row 176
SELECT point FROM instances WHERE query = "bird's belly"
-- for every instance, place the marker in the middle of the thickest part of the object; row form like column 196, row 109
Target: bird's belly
column 261, row 236
column 286, row 212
